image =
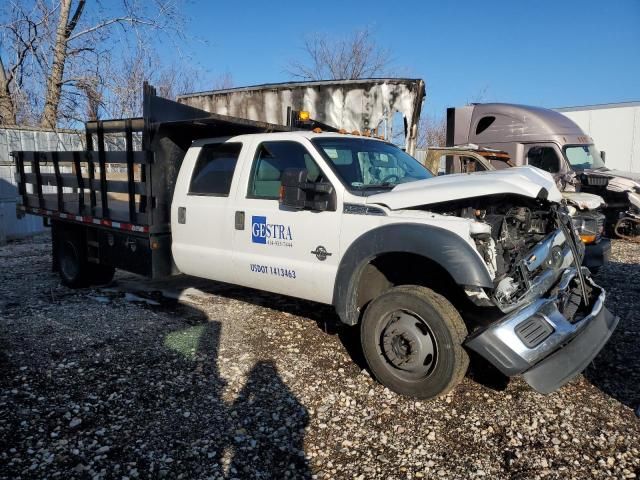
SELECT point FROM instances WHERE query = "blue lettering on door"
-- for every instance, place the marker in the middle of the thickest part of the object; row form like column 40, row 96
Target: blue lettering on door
column 266, row 233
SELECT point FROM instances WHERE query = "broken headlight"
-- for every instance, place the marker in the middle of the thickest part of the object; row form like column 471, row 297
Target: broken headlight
column 589, row 226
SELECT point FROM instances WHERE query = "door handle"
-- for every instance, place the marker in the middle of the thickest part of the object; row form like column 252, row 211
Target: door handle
column 239, row 220
column 182, row 214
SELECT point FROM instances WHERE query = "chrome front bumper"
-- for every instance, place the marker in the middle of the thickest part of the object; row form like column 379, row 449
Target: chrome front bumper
column 540, row 284
column 537, row 340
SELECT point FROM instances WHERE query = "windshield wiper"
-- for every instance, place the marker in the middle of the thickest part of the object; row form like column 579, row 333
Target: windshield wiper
column 372, row 186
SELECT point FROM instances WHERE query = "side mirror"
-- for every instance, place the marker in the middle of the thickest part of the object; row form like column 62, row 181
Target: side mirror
column 297, row 193
column 602, row 156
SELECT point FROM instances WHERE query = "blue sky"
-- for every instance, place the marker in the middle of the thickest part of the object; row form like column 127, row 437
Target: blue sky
column 548, row 53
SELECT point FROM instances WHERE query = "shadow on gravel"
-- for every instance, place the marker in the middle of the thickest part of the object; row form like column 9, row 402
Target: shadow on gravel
column 263, row 427
column 325, row 317
column 485, row 374
column 149, row 406
column 616, row 370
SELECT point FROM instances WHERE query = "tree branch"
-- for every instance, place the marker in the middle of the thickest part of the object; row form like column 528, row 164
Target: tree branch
column 76, row 16
column 355, row 56
column 106, row 23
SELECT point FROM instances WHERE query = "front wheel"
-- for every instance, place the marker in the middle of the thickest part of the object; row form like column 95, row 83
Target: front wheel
column 412, row 340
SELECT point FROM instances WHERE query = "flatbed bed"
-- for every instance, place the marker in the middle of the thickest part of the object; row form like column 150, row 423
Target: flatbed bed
column 123, row 196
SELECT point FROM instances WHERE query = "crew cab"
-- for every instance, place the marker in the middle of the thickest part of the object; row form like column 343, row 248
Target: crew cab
column 428, row 268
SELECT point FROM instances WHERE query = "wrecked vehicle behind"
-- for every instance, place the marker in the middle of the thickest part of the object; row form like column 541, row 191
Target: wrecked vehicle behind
column 425, row 267
column 551, row 141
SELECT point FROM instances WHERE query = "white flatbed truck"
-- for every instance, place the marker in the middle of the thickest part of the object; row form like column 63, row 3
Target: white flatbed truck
column 427, row 267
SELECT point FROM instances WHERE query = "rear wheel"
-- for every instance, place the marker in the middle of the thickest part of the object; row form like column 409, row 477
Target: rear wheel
column 412, row 340
column 72, row 261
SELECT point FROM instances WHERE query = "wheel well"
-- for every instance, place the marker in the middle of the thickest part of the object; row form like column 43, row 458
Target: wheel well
column 393, row 269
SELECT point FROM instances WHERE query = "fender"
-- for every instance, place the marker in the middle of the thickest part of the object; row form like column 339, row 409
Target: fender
column 437, row 244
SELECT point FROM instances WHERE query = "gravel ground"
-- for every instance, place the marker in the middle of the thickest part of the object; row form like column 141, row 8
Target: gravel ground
column 124, row 382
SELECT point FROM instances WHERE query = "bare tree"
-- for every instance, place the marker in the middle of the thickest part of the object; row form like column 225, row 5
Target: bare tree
column 223, row 81
column 58, row 52
column 93, row 95
column 64, row 30
column 7, row 111
column 121, row 88
column 22, row 32
column 355, row 56
column 432, row 131
column 124, row 83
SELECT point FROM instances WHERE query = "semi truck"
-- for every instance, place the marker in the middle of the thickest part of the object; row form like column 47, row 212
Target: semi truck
column 551, row 141
column 428, row 268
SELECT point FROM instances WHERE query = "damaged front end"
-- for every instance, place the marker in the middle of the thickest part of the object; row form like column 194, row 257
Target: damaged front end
column 552, row 339
column 553, row 321
column 628, row 225
column 621, row 191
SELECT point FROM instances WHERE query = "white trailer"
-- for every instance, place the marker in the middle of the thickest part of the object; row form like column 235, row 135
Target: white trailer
column 378, row 105
column 615, row 128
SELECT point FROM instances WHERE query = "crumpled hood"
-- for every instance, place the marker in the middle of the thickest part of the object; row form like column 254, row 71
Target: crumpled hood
column 584, row 201
column 525, row 181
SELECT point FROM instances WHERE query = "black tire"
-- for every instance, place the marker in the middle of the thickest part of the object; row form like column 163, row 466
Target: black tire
column 101, row 274
column 412, row 341
column 72, row 258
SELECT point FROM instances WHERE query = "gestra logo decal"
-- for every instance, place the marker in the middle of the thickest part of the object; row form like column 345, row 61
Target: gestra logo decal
column 275, row 234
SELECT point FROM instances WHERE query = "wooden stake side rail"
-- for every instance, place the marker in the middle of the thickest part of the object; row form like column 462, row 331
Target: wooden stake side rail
column 74, row 205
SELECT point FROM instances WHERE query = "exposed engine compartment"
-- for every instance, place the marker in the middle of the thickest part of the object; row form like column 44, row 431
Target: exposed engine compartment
column 508, row 232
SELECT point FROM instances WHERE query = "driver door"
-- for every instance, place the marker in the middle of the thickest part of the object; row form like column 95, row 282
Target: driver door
column 278, row 249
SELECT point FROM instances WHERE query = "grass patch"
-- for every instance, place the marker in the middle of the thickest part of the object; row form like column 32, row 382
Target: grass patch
column 185, row 342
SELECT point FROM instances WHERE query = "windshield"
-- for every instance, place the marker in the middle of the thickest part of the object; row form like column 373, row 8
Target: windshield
column 366, row 165
column 583, row 157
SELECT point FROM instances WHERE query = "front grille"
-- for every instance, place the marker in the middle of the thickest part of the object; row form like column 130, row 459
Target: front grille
column 570, row 303
column 533, row 331
column 596, row 181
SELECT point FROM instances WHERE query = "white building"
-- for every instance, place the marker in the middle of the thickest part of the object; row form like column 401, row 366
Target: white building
column 26, row 138
column 615, row 129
